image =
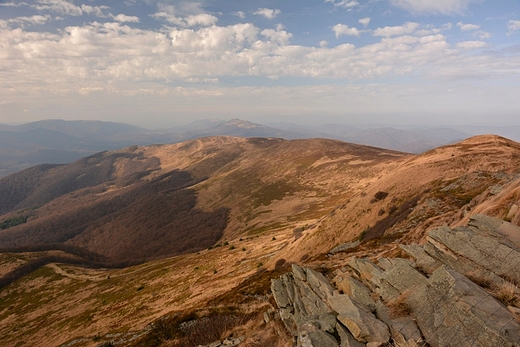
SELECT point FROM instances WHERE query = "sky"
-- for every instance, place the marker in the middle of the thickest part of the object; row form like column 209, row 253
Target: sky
column 165, row 62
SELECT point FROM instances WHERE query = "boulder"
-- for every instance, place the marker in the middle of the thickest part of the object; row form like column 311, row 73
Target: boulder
column 345, row 246
column 301, row 296
column 357, row 291
column 346, row 338
column 422, row 259
column 404, row 330
column 492, row 253
column 363, row 325
column 367, row 270
column 451, row 310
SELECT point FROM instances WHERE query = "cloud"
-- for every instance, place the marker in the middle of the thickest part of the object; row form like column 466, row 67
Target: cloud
column 125, row 59
column 406, row 28
column 482, row 34
column 469, row 45
column 124, row 18
column 347, row 4
column 433, row 6
column 68, row 8
column 33, row 20
column 267, row 12
column 364, row 21
column 189, row 15
column 513, row 25
column 467, row 27
column 203, row 19
column 342, row 29
column 14, row 4
column 239, row 14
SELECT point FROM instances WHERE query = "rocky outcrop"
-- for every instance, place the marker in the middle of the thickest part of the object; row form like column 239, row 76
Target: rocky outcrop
column 446, row 293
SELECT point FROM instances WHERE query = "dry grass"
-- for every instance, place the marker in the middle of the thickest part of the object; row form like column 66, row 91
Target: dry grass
column 419, row 343
column 481, row 281
column 398, row 307
column 507, row 294
column 207, row 330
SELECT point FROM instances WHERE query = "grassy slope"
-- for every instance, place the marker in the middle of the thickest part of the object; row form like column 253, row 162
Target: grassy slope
column 477, row 175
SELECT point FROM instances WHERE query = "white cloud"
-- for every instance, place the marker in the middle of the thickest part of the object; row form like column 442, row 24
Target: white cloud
column 124, row 18
column 364, row 21
column 203, row 19
column 347, row 4
column 267, row 12
column 94, row 10
column 68, row 8
column 468, row 45
column 406, row 28
column 121, row 58
column 14, row 4
column 482, row 34
column 188, row 15
column 239, row 14
column 467, row 27
column 433, row 6
column 513, row 25
column 342, row 29
column 34, row 20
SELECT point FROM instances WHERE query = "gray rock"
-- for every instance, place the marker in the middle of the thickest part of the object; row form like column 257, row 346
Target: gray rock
column 363, row 325
column 319, row 283
column 404, row 330
column 311, row 336
column 402, row 276
column 451, row 310
column 345, row 247
column 280, row 293
column 347, row 340
column 422, row 259
column 488, row 252
column 299, row 273
column 367, row 270
column 351, row 287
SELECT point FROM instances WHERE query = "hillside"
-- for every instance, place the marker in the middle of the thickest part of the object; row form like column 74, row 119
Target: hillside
column 257, row 205
column 113, row 203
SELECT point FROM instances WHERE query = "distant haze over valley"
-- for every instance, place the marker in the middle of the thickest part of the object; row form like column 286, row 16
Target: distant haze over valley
column 60, row 141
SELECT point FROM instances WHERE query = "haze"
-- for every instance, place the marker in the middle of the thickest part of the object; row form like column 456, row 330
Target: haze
column 160, row 63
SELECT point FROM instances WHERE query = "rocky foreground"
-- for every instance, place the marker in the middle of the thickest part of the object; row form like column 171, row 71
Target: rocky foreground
column 459, row 289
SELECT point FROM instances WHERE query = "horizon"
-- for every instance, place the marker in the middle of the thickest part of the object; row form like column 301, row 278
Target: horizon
column 166, row 62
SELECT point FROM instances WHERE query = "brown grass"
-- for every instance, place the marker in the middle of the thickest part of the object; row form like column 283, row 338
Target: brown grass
column 482, row 282
column 398, row 307
column 507, row 294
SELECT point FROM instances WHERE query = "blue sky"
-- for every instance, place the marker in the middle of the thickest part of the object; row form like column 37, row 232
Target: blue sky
column 164, row 62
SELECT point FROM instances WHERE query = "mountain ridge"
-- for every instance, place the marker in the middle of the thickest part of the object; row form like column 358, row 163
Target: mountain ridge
column 59, row 141
column 287, row 202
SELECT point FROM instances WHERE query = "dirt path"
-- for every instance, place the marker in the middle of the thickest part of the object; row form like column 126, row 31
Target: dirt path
column 82, row 277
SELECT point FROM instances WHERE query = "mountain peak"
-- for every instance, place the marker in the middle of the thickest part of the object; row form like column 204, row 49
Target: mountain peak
column 242, row 124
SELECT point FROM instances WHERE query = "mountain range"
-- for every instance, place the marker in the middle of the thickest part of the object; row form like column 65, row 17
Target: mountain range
column 129, row 247
column 61, row 142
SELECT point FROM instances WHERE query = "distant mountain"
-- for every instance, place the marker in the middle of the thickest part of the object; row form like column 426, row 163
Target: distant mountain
column 59, row 141
column 411, row 141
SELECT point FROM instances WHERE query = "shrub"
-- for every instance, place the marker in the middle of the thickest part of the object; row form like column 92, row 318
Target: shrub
column 279, row 265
